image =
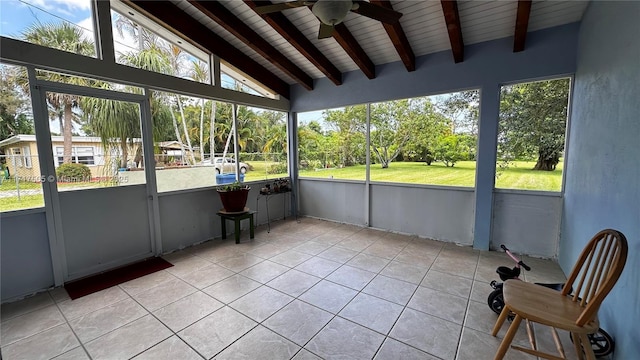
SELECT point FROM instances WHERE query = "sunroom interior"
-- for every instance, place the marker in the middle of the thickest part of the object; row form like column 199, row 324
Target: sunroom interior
column 161, row 212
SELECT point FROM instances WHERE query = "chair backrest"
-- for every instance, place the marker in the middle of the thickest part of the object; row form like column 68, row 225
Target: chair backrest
column 596, row 271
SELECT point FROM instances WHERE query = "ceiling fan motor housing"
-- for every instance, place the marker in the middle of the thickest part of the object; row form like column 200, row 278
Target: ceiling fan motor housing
column 331, row 12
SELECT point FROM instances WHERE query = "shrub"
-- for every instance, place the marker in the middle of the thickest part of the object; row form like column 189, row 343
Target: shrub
column 277, row 168
column 449, row 150
column 73, row 172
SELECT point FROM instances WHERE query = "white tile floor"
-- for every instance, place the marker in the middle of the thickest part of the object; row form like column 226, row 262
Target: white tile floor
column 307, row 290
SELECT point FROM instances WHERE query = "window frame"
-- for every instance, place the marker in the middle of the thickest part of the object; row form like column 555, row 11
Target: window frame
column 74, row 155
column 26, row 155
column 16, row 156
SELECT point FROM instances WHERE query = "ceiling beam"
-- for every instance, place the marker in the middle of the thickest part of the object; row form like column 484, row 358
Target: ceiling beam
column 354, row 50
column 191, row 30
column 287, row 30
column 522, row 23
column 398, row 38
column 225, row 18
column 452, row 18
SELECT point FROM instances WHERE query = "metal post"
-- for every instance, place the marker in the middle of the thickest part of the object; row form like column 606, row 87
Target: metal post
column 367, row 181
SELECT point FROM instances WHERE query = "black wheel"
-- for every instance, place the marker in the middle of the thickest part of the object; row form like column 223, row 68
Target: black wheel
column 496, row 301
column 243, row 170
column 217, row 171
column 601, row 342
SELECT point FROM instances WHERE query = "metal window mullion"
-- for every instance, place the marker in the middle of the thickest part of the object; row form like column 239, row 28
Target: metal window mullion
column 103, row 35
column 236, row 145
column 214, row 63
column 292, row 143
column 367, row 181
column 52, row 86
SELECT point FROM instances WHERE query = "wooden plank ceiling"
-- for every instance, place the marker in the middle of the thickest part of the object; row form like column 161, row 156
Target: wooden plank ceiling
column 281, row 49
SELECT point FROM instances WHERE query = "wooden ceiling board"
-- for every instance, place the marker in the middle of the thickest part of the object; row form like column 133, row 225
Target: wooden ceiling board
column 483, row 21
column 545, row 14
column 203, row 19
column 422, row 21
column 248, row 16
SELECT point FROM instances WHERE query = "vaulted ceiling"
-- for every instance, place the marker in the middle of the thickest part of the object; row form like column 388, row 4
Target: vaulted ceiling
column 282, row 48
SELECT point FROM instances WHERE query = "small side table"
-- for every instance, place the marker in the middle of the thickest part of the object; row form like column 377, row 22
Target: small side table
column 236, row 218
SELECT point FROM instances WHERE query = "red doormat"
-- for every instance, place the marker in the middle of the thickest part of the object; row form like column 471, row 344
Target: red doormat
column 95, row 283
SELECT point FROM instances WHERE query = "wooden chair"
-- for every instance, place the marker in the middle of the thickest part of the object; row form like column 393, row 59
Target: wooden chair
column 593, row 276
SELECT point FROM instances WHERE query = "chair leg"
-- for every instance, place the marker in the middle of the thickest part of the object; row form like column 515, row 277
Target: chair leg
column 503, row 316
column 586, row 346
column 508, row 337
column 577, row 345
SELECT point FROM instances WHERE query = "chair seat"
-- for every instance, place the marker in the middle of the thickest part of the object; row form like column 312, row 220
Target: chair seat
column 546, row 306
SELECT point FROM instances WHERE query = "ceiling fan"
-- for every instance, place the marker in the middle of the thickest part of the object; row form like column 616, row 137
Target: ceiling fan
column 332, row 12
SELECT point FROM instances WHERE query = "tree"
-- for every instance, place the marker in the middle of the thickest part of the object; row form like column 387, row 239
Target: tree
column 451, row 149
column 115, row 122
column 62, row 36
column 463, row 109
column 309, row 143
column 405, row 126
column 348, row 129
column 13, row 107
column 532, row 122
column 200, row 73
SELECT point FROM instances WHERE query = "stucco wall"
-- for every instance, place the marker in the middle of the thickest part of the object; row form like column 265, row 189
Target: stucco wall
column 603, row 170
column 25, row 263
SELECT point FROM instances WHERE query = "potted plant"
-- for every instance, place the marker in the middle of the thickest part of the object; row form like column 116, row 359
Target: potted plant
column 233, row 196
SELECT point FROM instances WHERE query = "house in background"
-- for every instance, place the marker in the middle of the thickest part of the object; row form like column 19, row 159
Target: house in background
column 21, row 155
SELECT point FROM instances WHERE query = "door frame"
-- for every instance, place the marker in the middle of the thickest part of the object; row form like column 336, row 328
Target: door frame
column 39, row 89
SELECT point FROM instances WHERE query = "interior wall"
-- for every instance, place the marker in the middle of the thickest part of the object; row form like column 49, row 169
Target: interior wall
column 549, row 52
column 527, row 222
column 603, row 179
column 440, row 213
column 189, row 217
column 341, row 201
column 25, row 259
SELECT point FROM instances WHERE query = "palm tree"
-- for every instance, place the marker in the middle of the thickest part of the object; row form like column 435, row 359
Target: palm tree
column 200, row 73
column 62, row 36
column 113, row 121
column 150, row 46
column 117, row 122
column 175, row 54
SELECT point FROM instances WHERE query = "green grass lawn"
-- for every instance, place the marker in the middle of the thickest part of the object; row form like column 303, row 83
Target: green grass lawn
column 518, row 176
column 25, row 202
column 259, row 171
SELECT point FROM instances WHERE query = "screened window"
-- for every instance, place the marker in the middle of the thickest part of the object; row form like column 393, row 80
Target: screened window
column 531, row 137
column 332, row 143
column 62, row 25
column 156, row 50
column 425, row 140
column 263, row 142
column 20, row 177
column 193, row 136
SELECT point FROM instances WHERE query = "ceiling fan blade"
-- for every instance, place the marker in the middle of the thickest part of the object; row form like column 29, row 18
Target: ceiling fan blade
column 376, row 12
column 266, row 9
column 325, row 31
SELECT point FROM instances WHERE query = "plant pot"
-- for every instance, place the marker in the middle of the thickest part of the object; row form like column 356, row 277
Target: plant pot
column 234, row 201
